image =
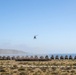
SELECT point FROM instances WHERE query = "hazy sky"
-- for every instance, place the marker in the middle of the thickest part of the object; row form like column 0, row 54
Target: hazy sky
column 54, row 21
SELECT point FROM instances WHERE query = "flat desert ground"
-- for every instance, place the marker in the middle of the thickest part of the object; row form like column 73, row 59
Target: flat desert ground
column 52, row 67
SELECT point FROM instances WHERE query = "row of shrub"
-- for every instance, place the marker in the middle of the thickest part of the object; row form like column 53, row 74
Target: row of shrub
column 35, row 58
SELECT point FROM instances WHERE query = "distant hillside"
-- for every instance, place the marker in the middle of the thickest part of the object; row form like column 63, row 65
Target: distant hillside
column 10, row 51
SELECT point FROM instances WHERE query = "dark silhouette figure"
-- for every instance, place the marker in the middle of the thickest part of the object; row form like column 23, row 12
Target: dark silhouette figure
column 35, row 36
column 66, row 57
column 52, row 57
column 56, row 57
column 70, row 57
column 75, row 57
column 61, row 57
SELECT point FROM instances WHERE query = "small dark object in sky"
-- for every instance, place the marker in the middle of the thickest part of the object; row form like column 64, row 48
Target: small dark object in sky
column 35, row 36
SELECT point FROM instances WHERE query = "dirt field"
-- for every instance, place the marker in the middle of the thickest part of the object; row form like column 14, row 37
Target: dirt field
column 53, row 67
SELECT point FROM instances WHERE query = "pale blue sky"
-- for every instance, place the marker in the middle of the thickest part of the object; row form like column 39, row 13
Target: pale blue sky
column 54, row 21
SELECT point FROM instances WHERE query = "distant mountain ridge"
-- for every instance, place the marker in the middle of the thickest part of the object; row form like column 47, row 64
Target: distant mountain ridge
column 11, row 51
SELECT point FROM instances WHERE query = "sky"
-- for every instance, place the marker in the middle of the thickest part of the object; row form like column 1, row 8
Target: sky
column 54, row 21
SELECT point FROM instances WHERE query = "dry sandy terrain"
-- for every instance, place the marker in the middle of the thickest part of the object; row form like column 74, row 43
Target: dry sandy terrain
column 53, row 67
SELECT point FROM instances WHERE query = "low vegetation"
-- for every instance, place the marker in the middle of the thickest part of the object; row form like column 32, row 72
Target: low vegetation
column 52, row 67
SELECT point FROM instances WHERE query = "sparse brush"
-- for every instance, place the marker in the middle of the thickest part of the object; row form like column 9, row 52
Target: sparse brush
column 37, row 73
column 2, row 69
column 23, row 73
column 43, row 69
column 21, row 69
column 14, row 67
column 5, row 73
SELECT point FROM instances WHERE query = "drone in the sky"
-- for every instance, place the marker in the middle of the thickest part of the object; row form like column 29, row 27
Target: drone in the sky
column 35, row 36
